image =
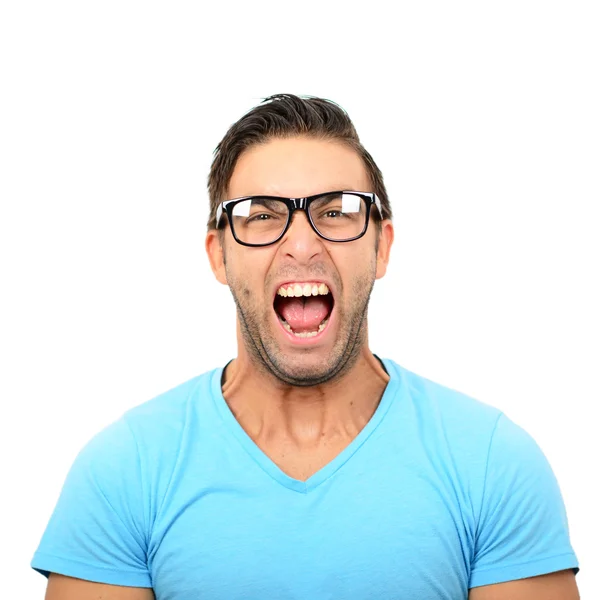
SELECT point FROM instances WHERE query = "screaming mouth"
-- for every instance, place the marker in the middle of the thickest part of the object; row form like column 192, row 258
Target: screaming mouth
column 303, row 308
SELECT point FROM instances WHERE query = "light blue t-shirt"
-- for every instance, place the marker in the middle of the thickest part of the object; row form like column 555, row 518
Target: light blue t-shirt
column 437, row 494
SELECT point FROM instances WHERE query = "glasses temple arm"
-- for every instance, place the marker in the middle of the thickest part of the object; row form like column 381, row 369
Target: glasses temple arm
column 378, row 205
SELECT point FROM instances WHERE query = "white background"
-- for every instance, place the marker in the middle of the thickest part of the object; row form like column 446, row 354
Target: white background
column 484, row 118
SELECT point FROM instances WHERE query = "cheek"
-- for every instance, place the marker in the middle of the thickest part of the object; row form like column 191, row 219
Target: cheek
column 246, row 276
column 357, row 266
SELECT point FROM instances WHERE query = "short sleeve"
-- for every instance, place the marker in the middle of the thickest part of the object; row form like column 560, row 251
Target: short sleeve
column 97, row 530
column 522, row 530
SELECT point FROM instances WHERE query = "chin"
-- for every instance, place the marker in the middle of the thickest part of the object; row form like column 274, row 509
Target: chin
column 308, row 370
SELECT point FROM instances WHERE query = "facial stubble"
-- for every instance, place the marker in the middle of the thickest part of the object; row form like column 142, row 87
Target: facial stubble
column 265, row 351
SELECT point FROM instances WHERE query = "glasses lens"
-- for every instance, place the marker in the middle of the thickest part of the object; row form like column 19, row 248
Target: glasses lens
column 339, row 216
column 259, row 220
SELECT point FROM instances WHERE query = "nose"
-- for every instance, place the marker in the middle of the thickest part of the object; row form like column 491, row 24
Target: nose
column 301, row 241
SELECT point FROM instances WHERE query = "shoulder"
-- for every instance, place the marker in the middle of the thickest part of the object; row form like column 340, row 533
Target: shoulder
column 466, row 417
column 148, row 436
column 158, row 425
column 440, row 406
column 485, row 448
column 516, row 512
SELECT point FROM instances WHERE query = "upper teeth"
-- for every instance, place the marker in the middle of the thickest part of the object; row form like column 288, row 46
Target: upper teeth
column 303, row 289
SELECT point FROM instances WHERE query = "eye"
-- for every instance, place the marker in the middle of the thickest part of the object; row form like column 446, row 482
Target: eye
column 260, row 217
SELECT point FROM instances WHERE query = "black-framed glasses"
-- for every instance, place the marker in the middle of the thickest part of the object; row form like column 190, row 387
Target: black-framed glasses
column 335, row 216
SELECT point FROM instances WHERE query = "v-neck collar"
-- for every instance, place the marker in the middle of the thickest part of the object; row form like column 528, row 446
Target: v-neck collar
column 296, row 485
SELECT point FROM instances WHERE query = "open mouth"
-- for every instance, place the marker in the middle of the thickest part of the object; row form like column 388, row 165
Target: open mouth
column 303, row 308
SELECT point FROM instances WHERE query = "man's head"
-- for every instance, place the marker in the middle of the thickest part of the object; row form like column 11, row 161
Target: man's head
column 285, row 116
column 291, row 147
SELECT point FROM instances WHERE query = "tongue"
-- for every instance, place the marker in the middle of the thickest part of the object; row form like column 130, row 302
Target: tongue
column 304, row 313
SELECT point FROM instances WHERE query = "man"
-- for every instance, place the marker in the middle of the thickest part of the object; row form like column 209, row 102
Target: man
column 307, row 467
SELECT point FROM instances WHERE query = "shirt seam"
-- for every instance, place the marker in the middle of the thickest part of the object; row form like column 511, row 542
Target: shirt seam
column 485, row 476
column 177, row 461
column 146, row 533
column 117, row 514
column 478, row 570
column 90, row 565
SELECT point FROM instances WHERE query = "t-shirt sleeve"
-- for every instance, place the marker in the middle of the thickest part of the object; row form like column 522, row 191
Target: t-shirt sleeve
column 522, row 530
column 97, row 531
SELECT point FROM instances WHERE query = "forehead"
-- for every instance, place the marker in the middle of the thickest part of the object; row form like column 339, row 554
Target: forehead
column 299, row 166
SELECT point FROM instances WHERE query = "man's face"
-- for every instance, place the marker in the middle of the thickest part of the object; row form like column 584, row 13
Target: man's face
column 329, row 331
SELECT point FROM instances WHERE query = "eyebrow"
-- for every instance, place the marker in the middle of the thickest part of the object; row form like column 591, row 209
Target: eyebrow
column 330, row 190
column 264, row 200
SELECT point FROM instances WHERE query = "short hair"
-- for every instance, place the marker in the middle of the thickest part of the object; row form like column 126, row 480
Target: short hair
column 285, row 116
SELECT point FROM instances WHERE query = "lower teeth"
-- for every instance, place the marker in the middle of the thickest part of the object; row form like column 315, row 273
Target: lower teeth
column 305, row 334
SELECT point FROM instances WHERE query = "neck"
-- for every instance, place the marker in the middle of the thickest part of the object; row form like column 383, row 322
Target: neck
column 273, row 411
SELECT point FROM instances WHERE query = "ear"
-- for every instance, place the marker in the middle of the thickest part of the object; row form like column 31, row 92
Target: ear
column 214, row 250
column 386, row 239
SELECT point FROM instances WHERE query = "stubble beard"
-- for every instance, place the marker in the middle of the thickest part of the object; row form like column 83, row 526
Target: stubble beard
column 266, row 354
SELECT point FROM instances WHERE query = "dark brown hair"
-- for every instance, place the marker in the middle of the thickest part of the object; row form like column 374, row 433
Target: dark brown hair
column 282, row 116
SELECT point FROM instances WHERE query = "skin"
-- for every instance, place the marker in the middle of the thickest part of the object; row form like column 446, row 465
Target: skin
column 289, row 398
column 61, row 587
column 302, row 407
column 560, row 585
